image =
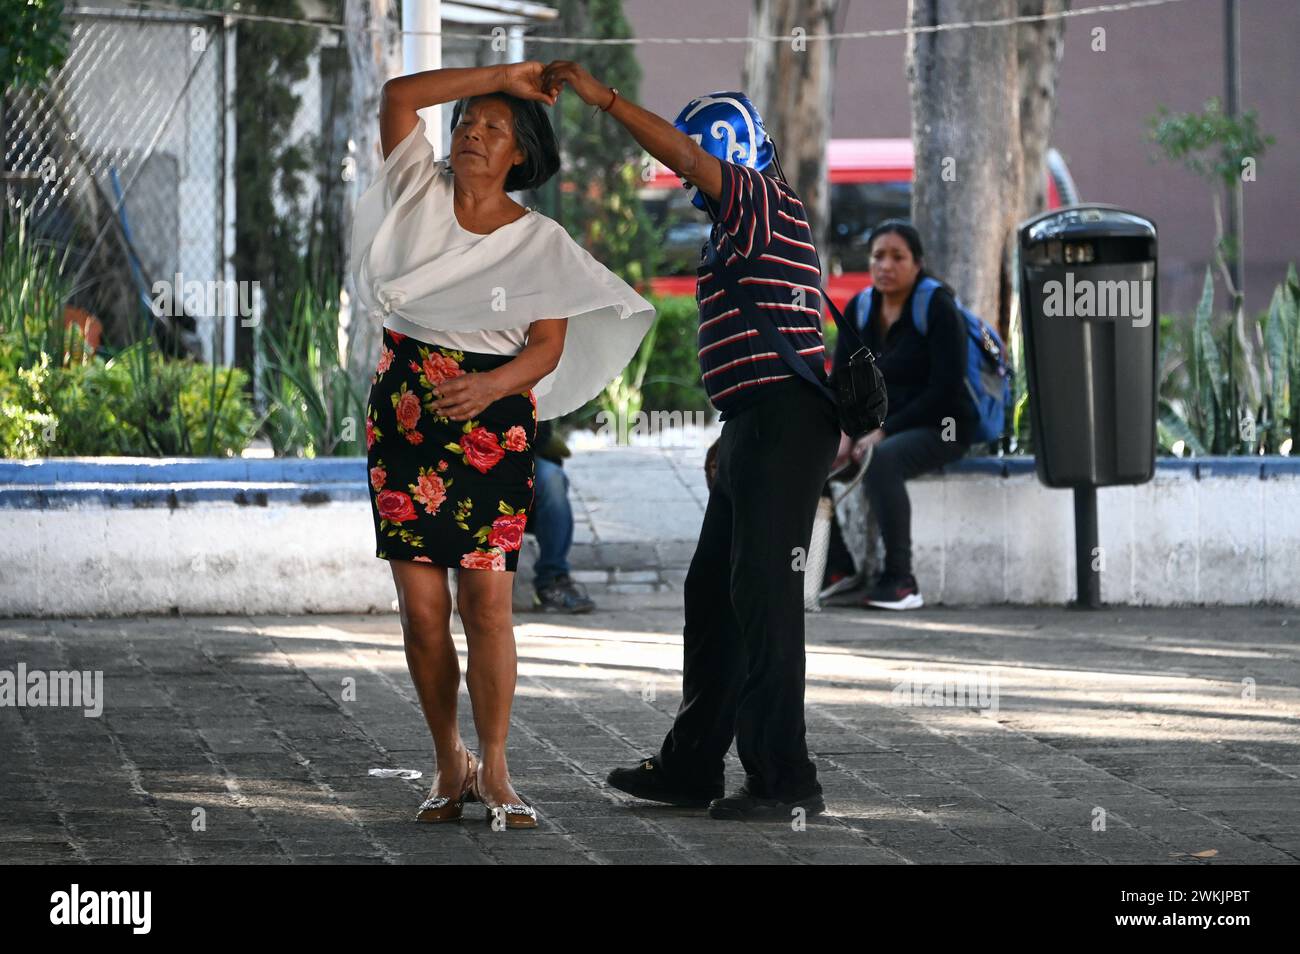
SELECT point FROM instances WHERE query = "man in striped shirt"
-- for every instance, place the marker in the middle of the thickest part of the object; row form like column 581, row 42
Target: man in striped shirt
column 743, row 642
column 762, row 234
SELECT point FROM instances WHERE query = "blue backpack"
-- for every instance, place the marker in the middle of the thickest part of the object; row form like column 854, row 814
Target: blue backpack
column 988, row 374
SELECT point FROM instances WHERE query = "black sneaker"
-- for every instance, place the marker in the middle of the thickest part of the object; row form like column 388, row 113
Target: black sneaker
column 894, row 593
column 743, row 806
column 648, row 780
column 562, row 595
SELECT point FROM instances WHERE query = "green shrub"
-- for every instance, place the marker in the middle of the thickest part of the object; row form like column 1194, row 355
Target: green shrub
column 1205, row 402
column 672, row 378
column 663, row 375
column 98, row 409
column 175, row 407
column 56, row 399
column 25, row 429
column 313, row 408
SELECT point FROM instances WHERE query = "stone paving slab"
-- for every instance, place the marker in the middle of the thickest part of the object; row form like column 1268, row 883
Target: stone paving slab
column 1166, row 736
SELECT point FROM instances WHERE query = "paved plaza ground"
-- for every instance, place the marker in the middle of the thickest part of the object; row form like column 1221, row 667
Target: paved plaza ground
column 1115, row 737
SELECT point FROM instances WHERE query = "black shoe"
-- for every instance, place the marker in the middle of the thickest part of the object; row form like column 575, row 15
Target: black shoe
column 562, row 595
column 894, row 593
column 648, row 780
column 743, row 806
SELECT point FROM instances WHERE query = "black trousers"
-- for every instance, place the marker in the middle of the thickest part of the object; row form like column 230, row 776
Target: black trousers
column 897, row 459
column 743, row 665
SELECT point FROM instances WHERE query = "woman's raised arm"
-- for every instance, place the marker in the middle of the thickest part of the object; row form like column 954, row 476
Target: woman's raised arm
column 402, row 96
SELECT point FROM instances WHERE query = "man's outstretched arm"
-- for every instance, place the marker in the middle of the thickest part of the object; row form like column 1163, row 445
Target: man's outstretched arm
column 676, row 150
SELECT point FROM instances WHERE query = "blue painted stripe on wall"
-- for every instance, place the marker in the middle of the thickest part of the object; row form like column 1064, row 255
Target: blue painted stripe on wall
column 56, row 470
column 130, row 482
column 148, row 496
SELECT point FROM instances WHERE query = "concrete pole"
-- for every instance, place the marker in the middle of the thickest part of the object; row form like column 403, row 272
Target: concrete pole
column 423, row 52
column 1232, row 108
column 229, row 194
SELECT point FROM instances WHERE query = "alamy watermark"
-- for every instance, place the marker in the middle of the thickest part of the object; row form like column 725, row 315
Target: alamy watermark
column 1119, row 299
column 22, row 688
column 659, row 428
column 961, row 690
column 75, row 906
column 179, row 297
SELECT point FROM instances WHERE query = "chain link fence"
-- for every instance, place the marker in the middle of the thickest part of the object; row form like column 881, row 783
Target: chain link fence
column 118, row 160
column 125, row 162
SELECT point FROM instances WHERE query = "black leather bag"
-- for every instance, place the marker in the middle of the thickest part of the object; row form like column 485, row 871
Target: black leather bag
column 857, row 389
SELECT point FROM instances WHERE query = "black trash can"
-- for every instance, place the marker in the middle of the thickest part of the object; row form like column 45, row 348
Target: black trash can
column 1091, row 327
column 1088, row 309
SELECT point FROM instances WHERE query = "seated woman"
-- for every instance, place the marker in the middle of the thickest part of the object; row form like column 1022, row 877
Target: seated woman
column 931, row 417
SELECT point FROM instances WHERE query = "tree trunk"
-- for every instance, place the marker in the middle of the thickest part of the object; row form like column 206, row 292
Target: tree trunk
column 965, row 92
column 374, row 58
column 1039, row 49
column 791, row 83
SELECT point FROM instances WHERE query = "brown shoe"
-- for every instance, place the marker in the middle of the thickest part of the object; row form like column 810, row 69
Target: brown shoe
column 444, row 808
column 519, row 814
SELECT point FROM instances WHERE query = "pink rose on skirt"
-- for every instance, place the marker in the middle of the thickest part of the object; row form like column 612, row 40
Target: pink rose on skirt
column 430, row 491
column 438, row 367
column 395, row 506
column 492, row 559
column 408, row 410
column 516, row 439
column 508, row 531
column 481, row 449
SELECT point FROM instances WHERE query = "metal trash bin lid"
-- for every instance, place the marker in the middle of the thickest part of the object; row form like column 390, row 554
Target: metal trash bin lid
column 1086, row 221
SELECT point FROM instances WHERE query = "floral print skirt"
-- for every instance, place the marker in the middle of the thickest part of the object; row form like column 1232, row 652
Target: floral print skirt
column 450, row 493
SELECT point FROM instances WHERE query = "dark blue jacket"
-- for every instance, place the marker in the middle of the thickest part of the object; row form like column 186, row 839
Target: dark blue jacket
column 925, row 374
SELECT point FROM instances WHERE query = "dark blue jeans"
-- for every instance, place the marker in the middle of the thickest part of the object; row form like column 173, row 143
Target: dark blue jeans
column 551, row 522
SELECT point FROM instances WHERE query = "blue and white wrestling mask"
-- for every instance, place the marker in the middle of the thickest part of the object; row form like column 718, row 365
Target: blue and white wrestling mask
column 728, row 126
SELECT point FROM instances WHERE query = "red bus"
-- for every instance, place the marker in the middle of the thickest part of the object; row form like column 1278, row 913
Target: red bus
column 871, row 180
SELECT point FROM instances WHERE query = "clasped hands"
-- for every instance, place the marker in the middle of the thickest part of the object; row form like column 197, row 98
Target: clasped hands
column 543, row 81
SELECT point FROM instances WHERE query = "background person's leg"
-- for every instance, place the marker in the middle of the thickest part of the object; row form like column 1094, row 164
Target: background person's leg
column 894, row 461
column 839, row 561
column 551, row 522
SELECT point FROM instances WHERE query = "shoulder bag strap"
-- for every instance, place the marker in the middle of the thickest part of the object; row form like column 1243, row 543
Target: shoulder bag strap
column 772, row 337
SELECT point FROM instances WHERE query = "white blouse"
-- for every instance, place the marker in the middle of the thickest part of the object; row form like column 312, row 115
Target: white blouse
column 510, row 341
column 411, row 258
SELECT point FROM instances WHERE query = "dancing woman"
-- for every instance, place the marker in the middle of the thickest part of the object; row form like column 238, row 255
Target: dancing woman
column 492, row 319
